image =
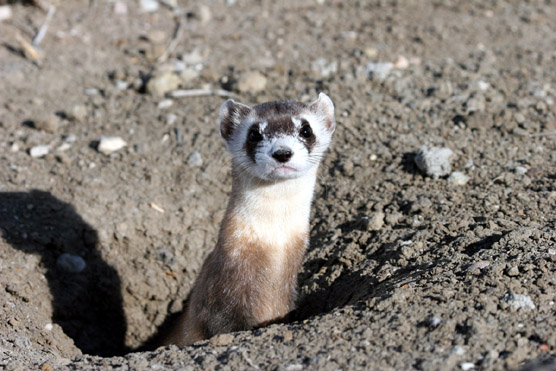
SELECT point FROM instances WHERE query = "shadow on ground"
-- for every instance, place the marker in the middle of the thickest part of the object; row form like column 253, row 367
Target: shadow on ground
column 87, row 305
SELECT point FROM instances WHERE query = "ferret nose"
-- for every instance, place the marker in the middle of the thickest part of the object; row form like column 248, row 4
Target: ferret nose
column 282, row 155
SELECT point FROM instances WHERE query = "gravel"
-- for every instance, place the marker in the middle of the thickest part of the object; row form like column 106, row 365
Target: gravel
column 434, row 162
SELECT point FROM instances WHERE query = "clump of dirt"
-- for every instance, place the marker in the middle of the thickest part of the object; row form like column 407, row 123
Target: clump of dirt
column 98, row 250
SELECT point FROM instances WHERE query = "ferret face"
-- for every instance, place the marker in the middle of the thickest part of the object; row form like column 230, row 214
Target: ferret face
column 277, row 140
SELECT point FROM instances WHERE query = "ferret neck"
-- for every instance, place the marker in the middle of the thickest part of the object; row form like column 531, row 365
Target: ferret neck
column 285, row 189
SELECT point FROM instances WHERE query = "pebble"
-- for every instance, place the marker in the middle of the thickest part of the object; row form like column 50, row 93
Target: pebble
column 91, row 91
column 78, row 113
column 520, row 170
column 192, row 58
column 195, row 159
column 513, row 271
column 39, row 151
column 324, row 68
column 376, row 221
column 482, row 264
column 165, row 103
column 171, row 118
column 163, row 83
column 435, row 162
column 519, row 301
column 121, row 85
column 149, row 6
column 70, row 263
column 22, row 342
column 434, row 321
column 401, row 63
column 221, row 340
column 107, row 145
column 5, row 12
column 379, row 69
column 205, row 15
column 371, row 52
column 49, row 123
column 467, row 366
column 48, row 327
column 458, row 178
column 156, row 36
column 483, row 85
column 252, row 82
column 120, row 8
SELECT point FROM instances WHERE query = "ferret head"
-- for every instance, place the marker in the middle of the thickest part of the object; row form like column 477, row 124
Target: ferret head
column 277, row 140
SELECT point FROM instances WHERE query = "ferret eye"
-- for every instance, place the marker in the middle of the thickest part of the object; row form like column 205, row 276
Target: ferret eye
column 254, row 135
column 306, row 131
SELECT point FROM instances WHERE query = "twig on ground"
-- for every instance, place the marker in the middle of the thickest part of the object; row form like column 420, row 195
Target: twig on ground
column 28, row 50
column 44, row 28
column 200, row 92
column 174, row 42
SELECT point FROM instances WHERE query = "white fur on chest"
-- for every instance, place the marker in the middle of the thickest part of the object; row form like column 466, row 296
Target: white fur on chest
column 276, row 213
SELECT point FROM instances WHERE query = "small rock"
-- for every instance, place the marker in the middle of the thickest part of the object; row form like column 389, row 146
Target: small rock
column 156, row 36
column 189, row 74
column 195, row 159
column 120, row 8
column 519, row 301
column 393, row 218
column 482, row 264
column 371, row 52
column 22, row 342
column 121, row 85
column 252, row 82
column 380, row 70
column 149, row 6
column 107, row 145
column 221, row 340
column 205, row 15
column 48, row 124
column 483, row 85
column 513, row 271
column 165, row 103
column 422, row 205
column 48, row 327
column 520, row 170
column 465, row 366
column 163, row 83
column 78, row 113
column 14, row 147
column 324, row 68
column 192, row 58
column 434, row 321
column 401, row 63
column 39, row 151
column 458, row 178
column 171, row 119
column 91, row 91
column 70, row 263
column 435, row 162
column 376, row 221
column 5, row 12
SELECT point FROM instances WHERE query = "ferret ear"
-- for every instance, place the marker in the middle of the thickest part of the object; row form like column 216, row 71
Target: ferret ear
column 231, row 115
column 324, row 109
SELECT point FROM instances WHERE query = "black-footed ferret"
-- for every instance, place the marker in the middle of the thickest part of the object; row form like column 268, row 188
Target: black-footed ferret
column 250, row 278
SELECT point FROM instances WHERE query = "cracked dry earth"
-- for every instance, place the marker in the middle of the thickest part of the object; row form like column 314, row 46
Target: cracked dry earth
column 404, row 271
